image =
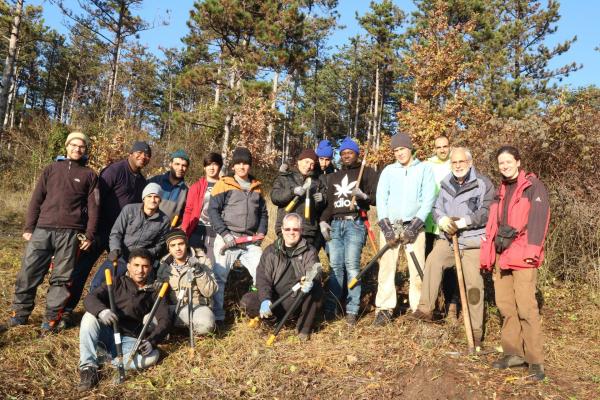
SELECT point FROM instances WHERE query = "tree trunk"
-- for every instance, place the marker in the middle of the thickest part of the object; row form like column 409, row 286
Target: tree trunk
column 271, row 125
column 376, row 103
column 49, row 68
column 356, row 109
column 370, row 123
column 7, row 75
column 115, row 63
column 218, row 88
column 63, row 98
column 69, row 118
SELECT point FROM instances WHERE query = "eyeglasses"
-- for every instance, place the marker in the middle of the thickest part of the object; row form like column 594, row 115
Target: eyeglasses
column 460, row 162
column 75, row 146
column 291, row 229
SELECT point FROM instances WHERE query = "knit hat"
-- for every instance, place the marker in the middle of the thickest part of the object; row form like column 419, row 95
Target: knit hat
column 349, row 144
column 401, row 140
column 141, row 146
column 77, row 135
column 324, row 149
column 180, row 154
column 242, row 155
column 307, row 153
column 175, row 234
column 151, row 188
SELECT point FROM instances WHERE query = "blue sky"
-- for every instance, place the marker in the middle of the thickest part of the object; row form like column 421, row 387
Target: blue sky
column 578, row 17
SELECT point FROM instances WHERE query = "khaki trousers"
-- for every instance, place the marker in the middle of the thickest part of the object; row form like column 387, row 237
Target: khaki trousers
column 521, row 327
column 386, row 287
column 441, row 258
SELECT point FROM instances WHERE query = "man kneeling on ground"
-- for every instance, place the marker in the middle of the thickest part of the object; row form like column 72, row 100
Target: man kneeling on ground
column 133, row 300
column 176, row 268
column 283, row 264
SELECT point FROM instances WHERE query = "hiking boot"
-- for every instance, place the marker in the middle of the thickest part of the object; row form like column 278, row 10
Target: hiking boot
column 66, row 321
column 420, row 316
column 220, row 326
column 329, row 316
column 50, row 327
column 14, row 321
column 88, row 378
column 303, row 336
column 351, row 320
column 536, row 372
column 382, row 318
column 508, row 361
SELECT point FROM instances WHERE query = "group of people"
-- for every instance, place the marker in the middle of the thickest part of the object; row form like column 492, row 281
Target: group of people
column 159, row 230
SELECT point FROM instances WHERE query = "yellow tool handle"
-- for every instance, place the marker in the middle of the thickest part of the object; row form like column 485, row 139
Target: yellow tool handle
column 108, row 276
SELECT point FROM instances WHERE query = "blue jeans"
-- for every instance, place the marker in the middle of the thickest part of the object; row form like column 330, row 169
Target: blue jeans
column 345, row 247
column 93, row 333
column 249, row 257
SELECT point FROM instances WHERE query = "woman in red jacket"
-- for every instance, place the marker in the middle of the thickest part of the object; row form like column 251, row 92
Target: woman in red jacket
column 515, row 233
column 196, row 223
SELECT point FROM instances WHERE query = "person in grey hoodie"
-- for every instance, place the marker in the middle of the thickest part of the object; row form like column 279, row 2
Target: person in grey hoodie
column 462, row 208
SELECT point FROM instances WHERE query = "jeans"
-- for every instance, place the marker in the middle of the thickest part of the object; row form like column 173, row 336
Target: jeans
column 347, row 240
column 202, row 317
column 249, row 257
column 93, row 333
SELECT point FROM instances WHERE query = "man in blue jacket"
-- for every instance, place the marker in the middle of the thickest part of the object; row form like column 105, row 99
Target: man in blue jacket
column 405, row 194
column 462, row 208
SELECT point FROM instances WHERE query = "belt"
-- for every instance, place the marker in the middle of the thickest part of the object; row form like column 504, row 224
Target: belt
column 346, row 217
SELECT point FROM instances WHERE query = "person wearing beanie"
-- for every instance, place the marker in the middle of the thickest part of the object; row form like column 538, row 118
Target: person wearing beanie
column 64, row 204
column 295, row 182
column 237, row 208
column 120, row 183
column 325, row 154
column 174, row 189
column 196, row 222
column 175, row 268
column 405, row 194
column 344, row 228
column 138, row 226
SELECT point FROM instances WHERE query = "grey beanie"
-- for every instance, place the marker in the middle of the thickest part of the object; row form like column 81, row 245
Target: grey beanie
column 401, row 140
column 151, row 188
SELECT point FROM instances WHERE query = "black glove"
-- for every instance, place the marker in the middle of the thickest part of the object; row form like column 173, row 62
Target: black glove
column 113, row 256
column 388, row 231
column 412, row 230
column 145, row 348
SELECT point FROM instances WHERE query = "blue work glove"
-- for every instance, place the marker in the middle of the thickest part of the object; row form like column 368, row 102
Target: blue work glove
column 265, row 309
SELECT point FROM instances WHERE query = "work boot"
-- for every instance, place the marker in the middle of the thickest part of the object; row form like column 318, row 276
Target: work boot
column 66, row 321
column 536, row 372
column 50, row 327
column 351, row 320
column 508, row 361
column 303, row 336
column 88, row 378
column 14, row 321
column 421, row 316
column 382, row 318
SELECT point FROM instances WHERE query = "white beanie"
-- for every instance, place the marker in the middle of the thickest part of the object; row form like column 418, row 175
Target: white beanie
column 151, row 188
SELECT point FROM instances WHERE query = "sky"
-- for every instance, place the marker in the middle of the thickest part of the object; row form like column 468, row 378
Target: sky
column 578, row 18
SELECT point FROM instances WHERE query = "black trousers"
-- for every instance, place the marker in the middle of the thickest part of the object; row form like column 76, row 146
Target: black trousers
column 63, row 245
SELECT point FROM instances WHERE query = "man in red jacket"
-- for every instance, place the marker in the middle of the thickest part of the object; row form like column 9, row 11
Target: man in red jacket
column 64, row 204
column 196, row 223
column 513, row 244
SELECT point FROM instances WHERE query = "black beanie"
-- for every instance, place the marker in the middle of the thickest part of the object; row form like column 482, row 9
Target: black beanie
column 241, row 155
column 175, row 234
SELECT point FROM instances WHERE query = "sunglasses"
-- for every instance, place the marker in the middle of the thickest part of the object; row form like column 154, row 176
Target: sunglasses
column 291, row 229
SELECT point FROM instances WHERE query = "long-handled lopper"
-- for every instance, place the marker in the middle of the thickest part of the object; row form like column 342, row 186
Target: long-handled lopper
column 295, row 200
column 116, row 331
column 138, row 342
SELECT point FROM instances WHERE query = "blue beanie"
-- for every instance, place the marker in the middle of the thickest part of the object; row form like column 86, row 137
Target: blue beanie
column 324, row 149
column 349, row 144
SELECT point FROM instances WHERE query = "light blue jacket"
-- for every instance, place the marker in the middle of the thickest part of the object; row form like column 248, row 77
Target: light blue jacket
column 405, row 192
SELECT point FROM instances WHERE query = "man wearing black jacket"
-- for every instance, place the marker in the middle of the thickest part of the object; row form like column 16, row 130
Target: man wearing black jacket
column 290, row 184
column 65, row 203
column 282, row 265
column 133, row 300
column 343, row 227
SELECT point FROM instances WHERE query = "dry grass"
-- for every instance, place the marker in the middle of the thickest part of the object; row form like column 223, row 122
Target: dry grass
column 404, row 360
